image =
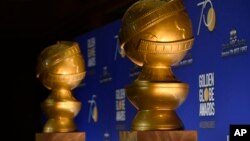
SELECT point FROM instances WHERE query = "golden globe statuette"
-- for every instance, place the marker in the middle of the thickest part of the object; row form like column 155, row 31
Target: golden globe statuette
column 60, row 69
column 156, row 34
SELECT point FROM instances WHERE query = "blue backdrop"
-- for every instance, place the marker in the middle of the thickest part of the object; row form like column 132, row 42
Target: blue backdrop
column 216, row 68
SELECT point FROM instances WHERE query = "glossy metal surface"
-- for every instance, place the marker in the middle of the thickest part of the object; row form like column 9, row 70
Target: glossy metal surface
column 156, row 34
column 61, row 68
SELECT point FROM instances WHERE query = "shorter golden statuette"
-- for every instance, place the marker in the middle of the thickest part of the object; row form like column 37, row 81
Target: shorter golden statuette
column 60, row 69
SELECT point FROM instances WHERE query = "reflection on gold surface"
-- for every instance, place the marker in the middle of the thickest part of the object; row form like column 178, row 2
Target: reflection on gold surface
column 60, row 69
column 156, row 34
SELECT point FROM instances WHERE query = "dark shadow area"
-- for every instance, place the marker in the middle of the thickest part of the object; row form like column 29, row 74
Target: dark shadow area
column 26, row 28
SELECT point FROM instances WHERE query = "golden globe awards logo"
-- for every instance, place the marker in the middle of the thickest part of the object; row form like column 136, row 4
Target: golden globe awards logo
column 120, row 97
column 120, row 105
column 91, row 43
column 209, row 19
column 207, row 98
column 91, row 62
column 235, row 46
column 106, row 76
column 206, row 94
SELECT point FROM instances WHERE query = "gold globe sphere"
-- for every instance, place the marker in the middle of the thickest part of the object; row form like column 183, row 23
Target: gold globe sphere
column 156, row 32
column 61, row 65
column 61, row 68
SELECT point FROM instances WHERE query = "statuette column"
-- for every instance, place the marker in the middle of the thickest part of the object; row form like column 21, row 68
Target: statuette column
column 60, row 69
column 156, row 34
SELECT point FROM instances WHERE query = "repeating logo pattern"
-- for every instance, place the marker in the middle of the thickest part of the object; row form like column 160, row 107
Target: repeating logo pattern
column 213, row 86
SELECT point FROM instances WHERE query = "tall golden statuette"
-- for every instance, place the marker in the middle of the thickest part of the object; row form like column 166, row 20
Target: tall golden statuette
column 156, row 34
column 60, row 69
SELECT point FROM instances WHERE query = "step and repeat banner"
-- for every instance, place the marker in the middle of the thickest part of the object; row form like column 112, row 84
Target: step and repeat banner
column 217, row 69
